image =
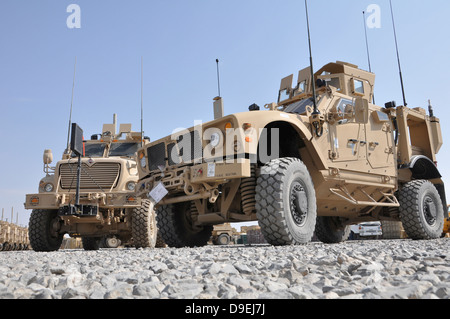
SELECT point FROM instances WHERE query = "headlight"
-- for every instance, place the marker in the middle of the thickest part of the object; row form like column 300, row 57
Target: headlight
column 48, row 187
column 143, row 162
column 215, row 139
column 131, row 186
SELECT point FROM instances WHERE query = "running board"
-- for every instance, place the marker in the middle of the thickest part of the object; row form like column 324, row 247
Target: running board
column 388, row 200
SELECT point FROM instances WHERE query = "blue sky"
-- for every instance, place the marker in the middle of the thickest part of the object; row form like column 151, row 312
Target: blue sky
column 257, row 41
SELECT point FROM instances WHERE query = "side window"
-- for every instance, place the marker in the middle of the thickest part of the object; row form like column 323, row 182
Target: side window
column 335, row 82
column 345, row 107
column 302, row 87
column 358, row 86
column 284, row 95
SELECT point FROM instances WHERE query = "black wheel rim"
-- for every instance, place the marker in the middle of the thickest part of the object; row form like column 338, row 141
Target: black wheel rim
column 298, row 203
column 429, row 210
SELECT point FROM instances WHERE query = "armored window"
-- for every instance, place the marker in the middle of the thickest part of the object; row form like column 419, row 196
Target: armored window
column 334, row 82
column 301, row 87
column 345, row 107
column 283, row 95
column 123, row 149
column 93, row 150
column 299, row 107
column 358, row 86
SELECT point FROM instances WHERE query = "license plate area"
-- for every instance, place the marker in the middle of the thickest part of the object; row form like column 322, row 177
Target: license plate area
column 78, row 210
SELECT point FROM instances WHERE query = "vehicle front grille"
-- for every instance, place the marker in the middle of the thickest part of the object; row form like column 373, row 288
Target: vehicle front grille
column 185, row 150
column 102, row 176
column 156, row 156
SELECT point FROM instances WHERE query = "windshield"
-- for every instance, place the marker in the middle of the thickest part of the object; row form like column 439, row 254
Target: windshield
column 123, row 149
column 117, row 149
column 92, row 150
column 299, row 107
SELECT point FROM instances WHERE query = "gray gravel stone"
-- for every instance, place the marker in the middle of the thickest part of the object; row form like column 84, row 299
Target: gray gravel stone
column 394, row 269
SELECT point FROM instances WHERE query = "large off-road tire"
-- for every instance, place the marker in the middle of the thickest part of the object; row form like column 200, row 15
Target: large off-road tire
column 391, row 229
column 91, row 243
column 330, row 230
column 42, row 230
column 421, row 210
column 160, row 243
column 286, row 202
column 223, row 240
column 143, row 225
column 176, row 228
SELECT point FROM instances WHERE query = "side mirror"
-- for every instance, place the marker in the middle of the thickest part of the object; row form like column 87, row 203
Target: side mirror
column 362, row 111
column 48, row 157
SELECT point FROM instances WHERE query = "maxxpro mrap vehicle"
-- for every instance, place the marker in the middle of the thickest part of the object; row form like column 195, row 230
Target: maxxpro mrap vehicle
column 300, row 166
column 109, row 211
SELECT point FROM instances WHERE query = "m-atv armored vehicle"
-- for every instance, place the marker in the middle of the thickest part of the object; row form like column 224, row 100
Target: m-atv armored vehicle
column 109, row 210
column 299, row 168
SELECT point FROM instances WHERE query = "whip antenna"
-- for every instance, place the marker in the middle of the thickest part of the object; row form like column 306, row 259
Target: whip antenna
column 398, row 55
column 367, row 48
column 142, row 101
column 316, row 111
column 316, row 118
column 71, row 105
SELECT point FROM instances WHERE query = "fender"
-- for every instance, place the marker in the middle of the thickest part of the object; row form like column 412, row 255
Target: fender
column 307, row 138
column 423, row 168
column 265, row 119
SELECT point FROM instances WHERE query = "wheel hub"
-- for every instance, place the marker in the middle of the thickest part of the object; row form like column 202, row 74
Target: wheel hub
column 55, row 227
column 429, row 210
column 299, row 204
column 112, row 242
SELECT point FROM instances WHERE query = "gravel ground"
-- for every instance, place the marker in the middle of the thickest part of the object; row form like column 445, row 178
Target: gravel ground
column 355, row 270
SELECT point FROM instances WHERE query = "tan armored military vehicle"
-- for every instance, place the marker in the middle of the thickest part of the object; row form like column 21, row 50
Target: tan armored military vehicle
column 13, row 237
column 108, row 207
column 297, row 168
column 222, row 234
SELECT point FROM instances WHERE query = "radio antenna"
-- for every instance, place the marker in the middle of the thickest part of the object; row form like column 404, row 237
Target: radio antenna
column 398, row 56
column 71, row 105
column 367, row 48
column 316, row 111
column 316, row 120
column 218, row 76
column 142, row 101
